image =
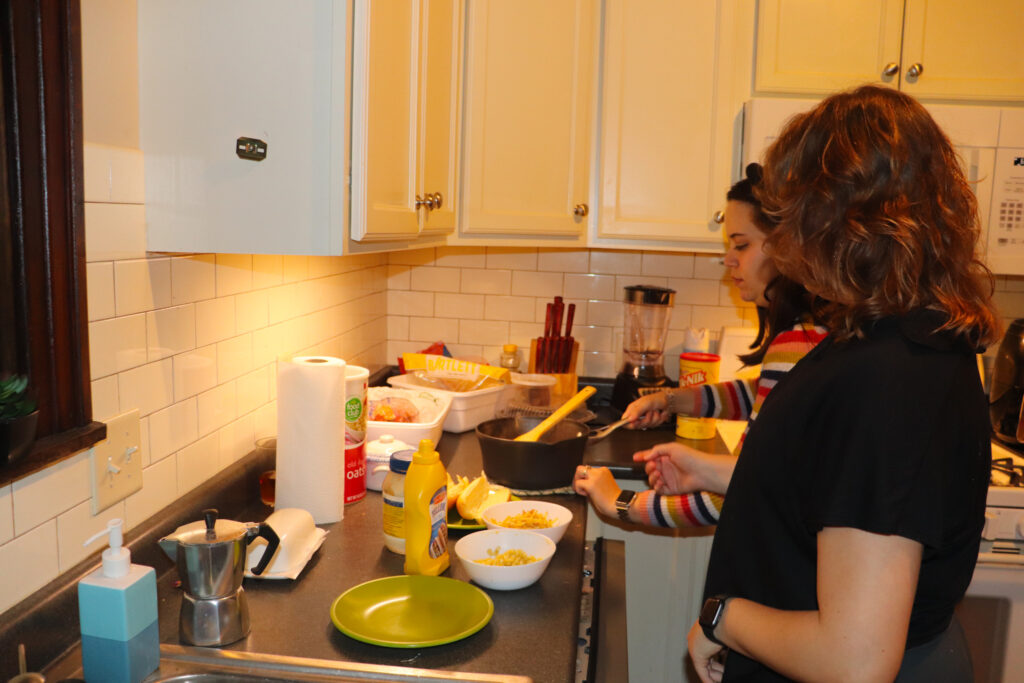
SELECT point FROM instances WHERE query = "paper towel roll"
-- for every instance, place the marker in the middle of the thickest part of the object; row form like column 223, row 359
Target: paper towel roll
column 311, row 436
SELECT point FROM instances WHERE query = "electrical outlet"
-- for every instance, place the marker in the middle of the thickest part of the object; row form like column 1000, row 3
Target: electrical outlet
column 117, row 462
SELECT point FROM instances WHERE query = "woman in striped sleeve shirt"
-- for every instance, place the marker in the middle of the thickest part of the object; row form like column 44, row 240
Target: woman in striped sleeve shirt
column 785, row 334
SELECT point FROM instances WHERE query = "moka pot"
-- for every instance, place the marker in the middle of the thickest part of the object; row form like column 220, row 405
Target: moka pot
column 211, row 555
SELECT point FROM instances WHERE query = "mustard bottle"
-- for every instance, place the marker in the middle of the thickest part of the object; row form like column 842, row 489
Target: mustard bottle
column 426, row 513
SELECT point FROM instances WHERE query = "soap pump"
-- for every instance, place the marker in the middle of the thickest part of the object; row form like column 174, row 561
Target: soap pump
column 118, row 615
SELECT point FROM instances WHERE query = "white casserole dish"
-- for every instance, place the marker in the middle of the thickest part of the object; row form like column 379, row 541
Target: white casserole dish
column 469, row 408
column 433, row 407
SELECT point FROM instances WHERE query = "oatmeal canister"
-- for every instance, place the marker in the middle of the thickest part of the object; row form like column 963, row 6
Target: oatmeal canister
column 695, row 369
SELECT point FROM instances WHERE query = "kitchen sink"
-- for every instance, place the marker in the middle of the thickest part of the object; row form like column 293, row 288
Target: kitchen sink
column 181, row 664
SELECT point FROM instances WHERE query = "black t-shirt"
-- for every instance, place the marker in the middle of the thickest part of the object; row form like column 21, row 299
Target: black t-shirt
column 888, row 434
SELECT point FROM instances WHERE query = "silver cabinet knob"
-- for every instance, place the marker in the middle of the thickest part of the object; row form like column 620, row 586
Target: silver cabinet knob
column 581, row 210
column 891, row 69
column 915, row 70
column 719, row 217
column 427, row 201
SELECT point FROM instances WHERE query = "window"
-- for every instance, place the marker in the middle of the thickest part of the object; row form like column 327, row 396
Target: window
column 43, row 319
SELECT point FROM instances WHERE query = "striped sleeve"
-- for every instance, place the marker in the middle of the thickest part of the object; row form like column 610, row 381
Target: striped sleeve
column 690, row 510
column 733, row 400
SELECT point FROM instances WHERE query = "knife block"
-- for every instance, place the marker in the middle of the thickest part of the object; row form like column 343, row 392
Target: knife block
column 566, row 383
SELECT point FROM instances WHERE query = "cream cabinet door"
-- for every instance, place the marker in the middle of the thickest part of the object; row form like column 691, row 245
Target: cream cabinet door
column 666, row 130
column 404, row 123
column 528, row 94
column 819, row 46
column 965, row 50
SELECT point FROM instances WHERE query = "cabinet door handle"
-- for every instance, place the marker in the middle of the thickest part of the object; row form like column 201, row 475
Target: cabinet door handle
column 915, row 70
column 438, row 200
column 719, row 217
column 891, row 69
column 581, row 210
column 427, row 202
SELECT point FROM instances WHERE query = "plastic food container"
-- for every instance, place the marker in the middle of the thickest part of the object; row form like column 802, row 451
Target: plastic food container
column 378, row 456
column 469, row 408
column 432, row 410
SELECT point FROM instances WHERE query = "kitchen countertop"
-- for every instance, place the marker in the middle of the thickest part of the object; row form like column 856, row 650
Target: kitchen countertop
column 533, row 631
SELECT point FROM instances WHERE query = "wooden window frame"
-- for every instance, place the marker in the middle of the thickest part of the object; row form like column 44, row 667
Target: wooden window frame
column 43, row 214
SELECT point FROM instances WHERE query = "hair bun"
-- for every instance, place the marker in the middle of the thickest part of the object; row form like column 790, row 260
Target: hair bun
column 754, row 172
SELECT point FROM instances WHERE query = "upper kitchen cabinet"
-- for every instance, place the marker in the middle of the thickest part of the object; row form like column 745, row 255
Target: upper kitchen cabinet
column 243, row 125
column 932, row 49
column 674, row 79
column 528, row 110
column 405, row 118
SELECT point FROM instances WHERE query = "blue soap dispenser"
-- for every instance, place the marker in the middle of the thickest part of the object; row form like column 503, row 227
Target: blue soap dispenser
column 118, row 616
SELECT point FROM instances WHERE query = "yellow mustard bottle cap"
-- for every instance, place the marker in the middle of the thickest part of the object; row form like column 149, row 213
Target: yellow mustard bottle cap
column 425, row 454
column 509, row 348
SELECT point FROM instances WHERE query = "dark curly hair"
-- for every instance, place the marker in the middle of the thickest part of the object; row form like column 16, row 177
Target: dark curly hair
column 788, row 301
column 875, row 215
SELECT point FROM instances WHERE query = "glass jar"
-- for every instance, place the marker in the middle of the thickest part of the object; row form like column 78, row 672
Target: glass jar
column 510, row 357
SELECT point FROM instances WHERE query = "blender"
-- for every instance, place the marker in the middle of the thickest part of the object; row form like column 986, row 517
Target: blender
column 648, row 310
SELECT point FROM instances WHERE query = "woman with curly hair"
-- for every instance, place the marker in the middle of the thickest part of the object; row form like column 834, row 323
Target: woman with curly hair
column 852, row 522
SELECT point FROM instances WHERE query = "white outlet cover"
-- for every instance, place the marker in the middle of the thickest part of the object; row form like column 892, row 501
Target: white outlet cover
column 116, row 462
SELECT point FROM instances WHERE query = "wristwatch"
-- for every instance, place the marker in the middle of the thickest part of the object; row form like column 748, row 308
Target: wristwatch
column 711, row 614
column 622, row 504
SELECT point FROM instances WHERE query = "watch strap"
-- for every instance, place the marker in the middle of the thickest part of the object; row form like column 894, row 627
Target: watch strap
column 711, row 616
column 622, row 504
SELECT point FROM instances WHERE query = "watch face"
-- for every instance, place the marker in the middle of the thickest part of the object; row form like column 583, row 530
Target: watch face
column 625, row 498
column 710, row 611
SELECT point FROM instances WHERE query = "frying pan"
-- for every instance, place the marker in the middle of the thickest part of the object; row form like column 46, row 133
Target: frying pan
column 544, row 464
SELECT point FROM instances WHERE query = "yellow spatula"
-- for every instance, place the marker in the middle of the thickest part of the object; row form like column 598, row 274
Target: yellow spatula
column 557, row 416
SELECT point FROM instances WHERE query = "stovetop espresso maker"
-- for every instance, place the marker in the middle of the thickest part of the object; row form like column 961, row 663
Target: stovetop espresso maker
column 211, row 557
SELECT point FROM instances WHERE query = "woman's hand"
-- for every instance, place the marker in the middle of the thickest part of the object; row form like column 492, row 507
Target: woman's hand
column 597, row 484
column 675, row 468
column 647, row 411
column 706, row 655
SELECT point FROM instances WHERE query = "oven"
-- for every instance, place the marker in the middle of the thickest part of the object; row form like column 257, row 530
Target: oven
column 992, row 613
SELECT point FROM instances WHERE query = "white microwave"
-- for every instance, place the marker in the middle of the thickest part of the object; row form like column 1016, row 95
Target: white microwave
column 990, row 141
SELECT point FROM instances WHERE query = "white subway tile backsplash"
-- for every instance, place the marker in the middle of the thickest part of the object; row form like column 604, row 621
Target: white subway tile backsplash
column 511, row 308
column 194, row 372
column 594, row 338
column 267, row 270
column 44, row 495
column 564, row 260
column 252, row 311
column 430, row 330
column 148, row 388
column 475, row 281
column 623, row 281
column 511, row 258
column 590, row 286
column 233, row 273
column 215, row 320
column 116, row 344
column 193, row 278
column 254, row 389
column 142, row 285
column 105, row 403
column 708, row 267
column 695, row 291
column 460, row 257
column 410, row 303
column 398, row 327
column 454, row 306
column 198, row 462
column 100, row 284
column 27, row 563
column 668, row 265
column 537, row 283
column 160, row 489
column 608, row 313
column 399, row 277
column 716, row 317
column 294, row 268
column 482, row 332
column 616, row 262
column 170, row 331
column 236, row 440
column 172, row 428
column 415, row 257
column 114, row 231
column 434, row 279
column 217, row 407
column 234, row 358
column 78, row 524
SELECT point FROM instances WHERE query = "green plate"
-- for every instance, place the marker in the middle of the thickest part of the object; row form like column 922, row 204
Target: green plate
column 458, row 522
column 411, row 611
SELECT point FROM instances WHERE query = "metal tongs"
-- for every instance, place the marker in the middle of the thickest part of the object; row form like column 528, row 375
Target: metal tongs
column 598, row 434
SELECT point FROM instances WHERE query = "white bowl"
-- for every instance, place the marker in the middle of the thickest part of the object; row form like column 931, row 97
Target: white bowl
column 433, row 410
column 480, row 545
column 494, row 515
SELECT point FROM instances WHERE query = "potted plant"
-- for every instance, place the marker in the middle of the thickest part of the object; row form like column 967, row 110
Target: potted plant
column 18, row 418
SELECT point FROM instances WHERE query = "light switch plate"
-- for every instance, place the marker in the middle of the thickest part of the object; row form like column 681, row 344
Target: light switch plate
column 116, row 462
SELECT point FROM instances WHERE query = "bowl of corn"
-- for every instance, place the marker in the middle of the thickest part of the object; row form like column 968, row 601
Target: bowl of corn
column 548, row 519
column 505, row 559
